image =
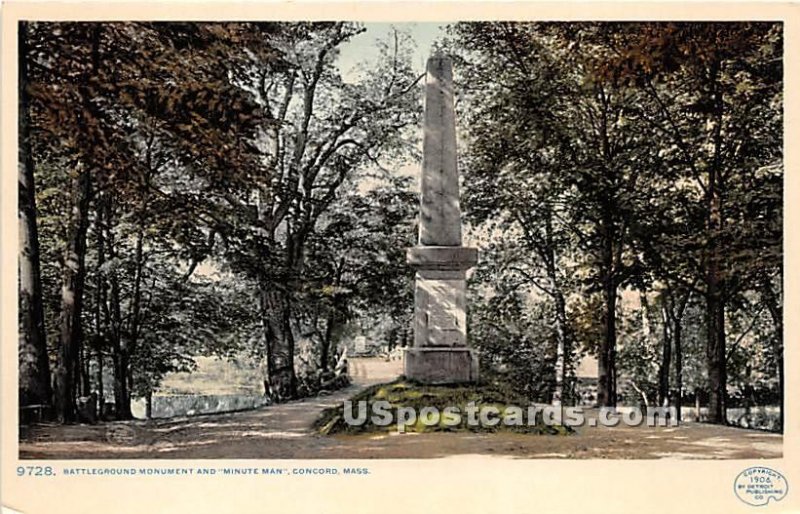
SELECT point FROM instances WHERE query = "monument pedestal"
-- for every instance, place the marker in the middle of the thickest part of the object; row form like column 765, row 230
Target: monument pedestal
column 440, row 354
column 441, row 365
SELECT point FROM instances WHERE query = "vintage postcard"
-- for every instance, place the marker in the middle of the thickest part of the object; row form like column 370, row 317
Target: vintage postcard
column 376, row 257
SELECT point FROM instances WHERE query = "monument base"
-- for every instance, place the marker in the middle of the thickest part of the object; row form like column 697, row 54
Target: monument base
column 441, row 365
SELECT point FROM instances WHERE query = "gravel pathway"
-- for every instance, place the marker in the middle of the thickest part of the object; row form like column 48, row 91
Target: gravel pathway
column 283, row 431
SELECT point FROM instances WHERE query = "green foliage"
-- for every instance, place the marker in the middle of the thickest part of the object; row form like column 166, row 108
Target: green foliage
column 243, row 197
column 625, row 157
column 515, row 336
column 220, row 157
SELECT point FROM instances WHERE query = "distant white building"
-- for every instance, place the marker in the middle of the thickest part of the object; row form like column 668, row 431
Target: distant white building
column 586, row 374
column 360, row 344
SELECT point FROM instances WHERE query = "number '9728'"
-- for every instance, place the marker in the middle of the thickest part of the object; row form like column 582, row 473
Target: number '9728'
column 35, row 471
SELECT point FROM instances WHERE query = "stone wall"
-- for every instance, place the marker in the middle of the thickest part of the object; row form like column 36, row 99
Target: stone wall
column 166, row 406
column 760, row 417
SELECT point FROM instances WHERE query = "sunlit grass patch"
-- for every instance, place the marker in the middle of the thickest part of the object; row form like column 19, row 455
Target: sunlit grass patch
column 429, row 403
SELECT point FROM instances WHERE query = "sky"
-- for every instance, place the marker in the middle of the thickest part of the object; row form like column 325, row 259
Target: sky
column 362, row 47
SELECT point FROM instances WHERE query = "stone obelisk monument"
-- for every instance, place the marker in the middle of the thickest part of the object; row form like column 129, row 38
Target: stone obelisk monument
column 440, row 353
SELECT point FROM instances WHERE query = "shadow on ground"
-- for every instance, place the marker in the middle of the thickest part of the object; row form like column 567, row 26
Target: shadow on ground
column 284, row 431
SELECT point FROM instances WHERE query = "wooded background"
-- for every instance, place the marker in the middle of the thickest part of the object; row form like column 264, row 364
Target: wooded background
column 221, row 189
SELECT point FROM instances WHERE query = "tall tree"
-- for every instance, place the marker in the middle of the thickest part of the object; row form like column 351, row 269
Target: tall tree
column 582, row 161
column 320, row 130
column 34, row 366
column 714, row 94
column 656, row 133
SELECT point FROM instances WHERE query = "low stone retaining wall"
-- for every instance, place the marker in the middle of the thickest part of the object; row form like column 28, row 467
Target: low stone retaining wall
column 167, row 406
column 761, row 418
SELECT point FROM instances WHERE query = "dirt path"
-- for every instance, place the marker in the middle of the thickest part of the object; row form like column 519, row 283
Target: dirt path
column 283, row 431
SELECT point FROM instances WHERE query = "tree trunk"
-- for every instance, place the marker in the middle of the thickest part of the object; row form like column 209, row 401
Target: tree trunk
column 715, row 356
column 129, row 379
column 326, row 340
column 83, row 368
column 563, row 383
column 132, row 339
column 715, row 288
column 281, row 376
column 135, row 316
column 100, row 323
column 666, row 354
column 269, row 337
column 673, row 311
column 606, row 379
column 279, row 303
column 119, row 345
column 563, row 368
column 73, row 276
column 285, row 376
column 34, row 366
column 715, row 314
column 606, row 386
column 74, row 272
column 122, row 401
column 101, row 401
column 607, row 368
column 332, row 319
column 775, row 308
column 677, row 344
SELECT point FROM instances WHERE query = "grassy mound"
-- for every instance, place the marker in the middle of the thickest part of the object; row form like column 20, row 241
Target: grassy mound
column 404, row 393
